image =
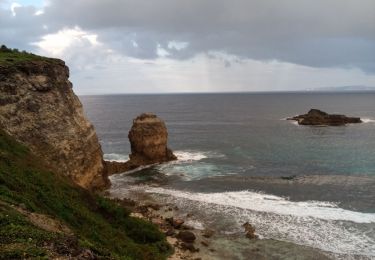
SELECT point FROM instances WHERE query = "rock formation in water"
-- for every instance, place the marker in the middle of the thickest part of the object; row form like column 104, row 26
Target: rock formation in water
column 317, row 117
column 148, row 139
column 38, row 108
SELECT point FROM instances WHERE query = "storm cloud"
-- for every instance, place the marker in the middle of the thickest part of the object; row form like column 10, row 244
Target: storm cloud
column 319, row 34
column 312, row 33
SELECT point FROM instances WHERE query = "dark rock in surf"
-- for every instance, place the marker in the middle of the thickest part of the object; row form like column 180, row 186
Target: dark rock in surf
column 250, row 231
column 189, row 246
column 186, row 236
column 207, row 233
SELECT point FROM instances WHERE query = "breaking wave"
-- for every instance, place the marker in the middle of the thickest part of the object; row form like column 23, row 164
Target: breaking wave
column 368, row 120
column 116, row 157
column 318, row 224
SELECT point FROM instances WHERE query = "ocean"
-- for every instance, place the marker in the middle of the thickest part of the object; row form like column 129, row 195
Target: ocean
column 239, row 160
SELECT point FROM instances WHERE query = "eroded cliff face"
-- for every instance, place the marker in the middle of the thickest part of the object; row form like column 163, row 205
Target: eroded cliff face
column 39, row 108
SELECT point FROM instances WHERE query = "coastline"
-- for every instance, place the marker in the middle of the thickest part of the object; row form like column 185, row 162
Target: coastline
column 226, row 243
column 220, row 245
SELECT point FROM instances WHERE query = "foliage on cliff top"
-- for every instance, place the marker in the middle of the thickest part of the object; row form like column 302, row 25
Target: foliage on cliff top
column 97, row 223
column 9, row 57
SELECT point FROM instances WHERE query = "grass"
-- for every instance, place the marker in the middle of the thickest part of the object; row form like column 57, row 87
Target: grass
column 21, row 239
column 98, row 223
column 11, row 57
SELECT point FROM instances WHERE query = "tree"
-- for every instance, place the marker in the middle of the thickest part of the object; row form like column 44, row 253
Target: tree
column 4, row 48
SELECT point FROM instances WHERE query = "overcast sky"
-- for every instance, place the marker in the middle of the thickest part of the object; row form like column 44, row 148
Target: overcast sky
column 143, row 46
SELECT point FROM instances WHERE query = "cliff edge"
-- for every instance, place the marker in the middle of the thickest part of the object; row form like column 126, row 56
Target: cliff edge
column 39, row 108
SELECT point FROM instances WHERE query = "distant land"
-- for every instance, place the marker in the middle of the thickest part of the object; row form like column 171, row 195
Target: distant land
column 344, row 89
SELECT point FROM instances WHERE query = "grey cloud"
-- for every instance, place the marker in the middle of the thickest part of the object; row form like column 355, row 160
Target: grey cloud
column 320, row 33
column 21, row 30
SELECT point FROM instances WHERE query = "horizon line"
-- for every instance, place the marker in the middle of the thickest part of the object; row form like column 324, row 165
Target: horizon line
column 232, row 92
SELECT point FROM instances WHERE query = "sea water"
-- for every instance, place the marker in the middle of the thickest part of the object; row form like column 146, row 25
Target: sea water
column 239, row 160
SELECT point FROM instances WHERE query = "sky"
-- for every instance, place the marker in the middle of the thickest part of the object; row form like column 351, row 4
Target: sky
column 169, row 46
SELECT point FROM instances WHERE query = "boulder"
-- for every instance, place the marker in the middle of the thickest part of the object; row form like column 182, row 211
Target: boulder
column 207, row 233
column 186, row 236
column 176, row 223
column 318, row 117
column 250, row 231
column 189, row 246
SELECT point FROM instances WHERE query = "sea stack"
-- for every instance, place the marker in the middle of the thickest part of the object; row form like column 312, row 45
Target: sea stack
column 320, row 118
column 39, row 108
column 148, row 139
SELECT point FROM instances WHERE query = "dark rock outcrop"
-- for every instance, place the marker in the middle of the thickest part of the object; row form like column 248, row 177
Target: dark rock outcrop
column 250, row 231
column 113, row 167
column 39, row 108
column 148, row 139
column 317, row 117
column 186, row 236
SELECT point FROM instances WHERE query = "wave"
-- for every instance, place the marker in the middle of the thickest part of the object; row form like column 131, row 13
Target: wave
column 116, row 157
column 191, row 165
column 317, row 224
column 368, row 120
column 274, row 204
column 190, row 155
column 182, row 156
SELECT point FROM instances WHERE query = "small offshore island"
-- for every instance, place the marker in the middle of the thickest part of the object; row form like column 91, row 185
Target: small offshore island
column 319, row 118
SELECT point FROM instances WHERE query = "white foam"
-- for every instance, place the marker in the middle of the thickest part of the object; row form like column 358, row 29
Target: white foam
column 191, row 156
column 368, row 120
column 317, row 224
column 293, row 122
column 190, row 165
column 116, row 157
column 195, row 224
column 274, row 204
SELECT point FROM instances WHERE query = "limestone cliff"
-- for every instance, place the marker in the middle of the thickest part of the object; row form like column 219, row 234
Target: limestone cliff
column 39, row 108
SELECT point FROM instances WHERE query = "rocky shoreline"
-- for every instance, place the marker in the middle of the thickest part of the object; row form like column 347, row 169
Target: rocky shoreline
column 187, row 241
column 194, row 242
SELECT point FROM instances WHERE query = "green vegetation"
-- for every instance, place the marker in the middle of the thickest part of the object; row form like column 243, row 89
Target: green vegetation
column 11, row 57
column 97, row 223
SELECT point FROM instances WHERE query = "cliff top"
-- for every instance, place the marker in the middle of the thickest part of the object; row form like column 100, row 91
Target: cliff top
column 147, row 118
column 12, row 57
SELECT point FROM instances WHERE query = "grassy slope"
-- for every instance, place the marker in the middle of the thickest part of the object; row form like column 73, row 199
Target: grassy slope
column 98, row 223
column 9, row 57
